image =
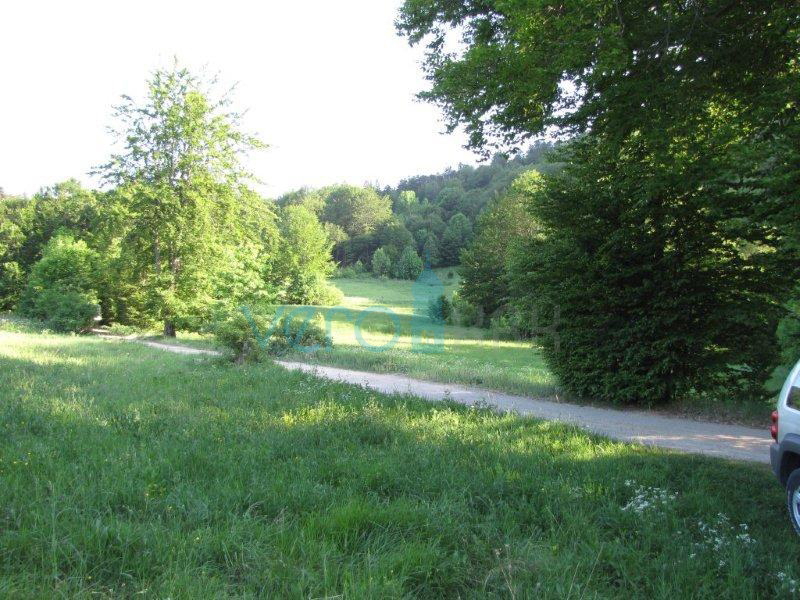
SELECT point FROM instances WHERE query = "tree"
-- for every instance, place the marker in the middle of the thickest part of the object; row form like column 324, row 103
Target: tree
column 507, row 223
column 393, row 237
column 12, row 277
column 451, row 198
column 608, row 67
column 358, row 211
column 457, row 236
column 65, row 207
column 178, row 172
column 304, row 258
column 381, row 263
column 406, row 200
column 61, row 286
column 409, row 265
column 656, row 300
column 430, row 250
column 313, row 200
column 248, row 272
column 658, row 241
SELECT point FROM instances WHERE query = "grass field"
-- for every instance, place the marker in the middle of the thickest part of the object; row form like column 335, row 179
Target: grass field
column 469, row 355
column 128, row 472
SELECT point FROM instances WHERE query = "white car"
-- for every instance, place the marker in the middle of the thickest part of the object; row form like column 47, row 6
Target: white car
column 785, row 452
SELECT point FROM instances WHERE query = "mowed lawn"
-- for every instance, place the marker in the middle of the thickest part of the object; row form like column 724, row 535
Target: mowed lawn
column 470, row 355
column 130, row 472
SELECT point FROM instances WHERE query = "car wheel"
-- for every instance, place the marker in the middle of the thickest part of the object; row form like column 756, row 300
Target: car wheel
column 793, row 499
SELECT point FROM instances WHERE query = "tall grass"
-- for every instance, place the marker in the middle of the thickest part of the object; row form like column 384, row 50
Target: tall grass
column 128, row 472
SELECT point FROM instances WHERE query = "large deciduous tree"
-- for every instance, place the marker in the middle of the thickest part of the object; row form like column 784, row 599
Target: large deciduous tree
column 179, row 174
column 456, row 237
column 303, row 262
column 669, row 240
column 605, row 65
column 506, row 224
column 357, row 210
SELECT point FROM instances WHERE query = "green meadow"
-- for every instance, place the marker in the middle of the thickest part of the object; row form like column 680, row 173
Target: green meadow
column 369, row 338
column 129, row 472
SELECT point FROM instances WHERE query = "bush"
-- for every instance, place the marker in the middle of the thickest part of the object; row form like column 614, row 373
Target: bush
column 464, row 313
column 642, row 315
column 324, row 294
column 381, row 263
column 60, row 287
column 254, row 337
column 440, row 309
column 351, row 271
column 506, row 325
column 409, row 265
column 300, row 334
column 66, row 310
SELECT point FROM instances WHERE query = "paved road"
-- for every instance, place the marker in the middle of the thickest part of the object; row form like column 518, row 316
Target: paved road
column 686, row 435
column 727, row 441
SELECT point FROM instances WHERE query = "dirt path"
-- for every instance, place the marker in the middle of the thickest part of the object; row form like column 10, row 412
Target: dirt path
column 714, row 439
column 698, row 437
column 174, row 348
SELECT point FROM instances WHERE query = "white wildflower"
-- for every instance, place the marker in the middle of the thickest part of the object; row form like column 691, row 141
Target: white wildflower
column 649, row 498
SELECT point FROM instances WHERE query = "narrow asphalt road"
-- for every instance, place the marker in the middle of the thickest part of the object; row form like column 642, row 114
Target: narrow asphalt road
column 686, row 435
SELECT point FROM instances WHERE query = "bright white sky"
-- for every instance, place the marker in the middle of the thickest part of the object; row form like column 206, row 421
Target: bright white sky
column 327, row 83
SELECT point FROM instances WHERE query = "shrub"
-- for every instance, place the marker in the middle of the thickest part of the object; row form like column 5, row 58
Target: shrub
column 464, row 313
column 66, row 310
column 409, row 265
column 253, row 337
column 60, row 287
column 302, row 334
column 642, row 315
column 351, row 271
column 440, row 309
column 324, row 294
column 381, row 263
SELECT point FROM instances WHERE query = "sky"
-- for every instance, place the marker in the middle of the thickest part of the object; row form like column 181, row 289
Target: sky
column 327, row 84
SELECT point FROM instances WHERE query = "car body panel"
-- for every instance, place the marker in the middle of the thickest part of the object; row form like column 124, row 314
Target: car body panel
column 785, row 453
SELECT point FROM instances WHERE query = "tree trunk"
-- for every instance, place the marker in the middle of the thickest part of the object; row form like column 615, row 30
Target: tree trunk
column 169, row 329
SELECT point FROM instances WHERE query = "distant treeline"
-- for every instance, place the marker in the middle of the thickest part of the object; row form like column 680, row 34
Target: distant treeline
column 431, row 216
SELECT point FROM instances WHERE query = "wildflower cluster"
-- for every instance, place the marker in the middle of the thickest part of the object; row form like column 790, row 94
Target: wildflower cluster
column 788, row 584
column 648, row 498
column 721, row 536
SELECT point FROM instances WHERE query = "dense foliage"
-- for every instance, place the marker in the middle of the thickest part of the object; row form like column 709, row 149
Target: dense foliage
column 669, row 243
column 505, row 224
column 178, row 236
column 433, row 214
column 251, row 337
column 409, row 265
column 61, row 289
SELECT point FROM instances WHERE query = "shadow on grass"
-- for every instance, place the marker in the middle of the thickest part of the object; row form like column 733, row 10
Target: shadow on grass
column 183, row 476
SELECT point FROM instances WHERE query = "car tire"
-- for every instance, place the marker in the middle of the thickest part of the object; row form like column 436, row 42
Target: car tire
column 793, row 499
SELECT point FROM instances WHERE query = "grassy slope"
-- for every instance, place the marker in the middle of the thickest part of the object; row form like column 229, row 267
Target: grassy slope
column 125, row 470
column 471, row 356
